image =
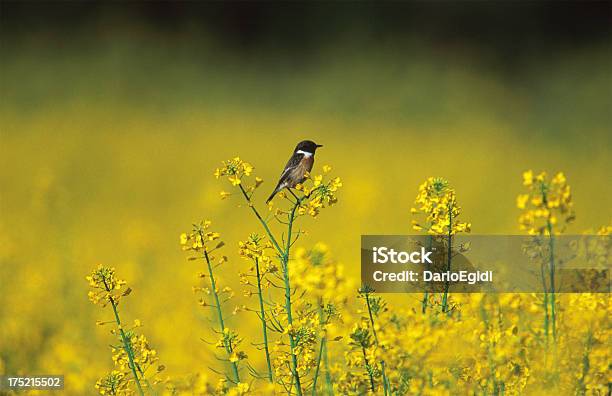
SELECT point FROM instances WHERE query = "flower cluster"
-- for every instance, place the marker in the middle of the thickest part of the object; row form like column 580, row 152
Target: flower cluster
column 260, row 252
column 547, row 206
column 257, row 250
column 132, row 356
column 498, row 337
column 230, row 339
column 494, row 346
column 324, row 292
column 585, row 359
column 106, row 286
column 198, row 239
column 235, row 169
column 436, row 202
column 436, row 206
column 237, row 172
column 256, row 247
column 318, row 191
column 115, row 383
column 224, row 387
column 303, row 334
column 143, row 355
column 194, row 383
column 317, row 274
column 595, row 248
column 362, row 357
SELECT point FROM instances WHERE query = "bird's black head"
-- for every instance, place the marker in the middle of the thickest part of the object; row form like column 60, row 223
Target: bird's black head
column 307, row 146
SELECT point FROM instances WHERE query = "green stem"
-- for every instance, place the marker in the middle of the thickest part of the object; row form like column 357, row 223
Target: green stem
column 545, row 303
column 551, row 244
column 386, row 386
column 285, row 260
column 213, row 285
column 318, row 367
column 586, row 364
column 264, row 327
column 551, row 264
column 261, row 220
column 449, row 258
column 127, row 346
column 322, row 356
column 369, row 370
column 328, row 383
column 425, row 301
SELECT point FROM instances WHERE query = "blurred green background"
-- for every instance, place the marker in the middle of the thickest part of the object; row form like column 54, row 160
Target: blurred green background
column 114, row 116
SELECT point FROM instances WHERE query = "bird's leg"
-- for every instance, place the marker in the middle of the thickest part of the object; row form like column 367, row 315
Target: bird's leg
column 288, row 198
column 297, row 200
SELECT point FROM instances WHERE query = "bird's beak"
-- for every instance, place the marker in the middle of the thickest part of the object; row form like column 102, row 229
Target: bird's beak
column 319, row 145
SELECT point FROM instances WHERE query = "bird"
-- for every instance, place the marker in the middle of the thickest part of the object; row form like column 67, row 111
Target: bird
column 299, row 164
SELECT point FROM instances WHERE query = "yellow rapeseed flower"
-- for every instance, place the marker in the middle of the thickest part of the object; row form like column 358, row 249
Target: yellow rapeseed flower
column 437, row 206
column 105, row 285
column 547, row 206
column 235, row 169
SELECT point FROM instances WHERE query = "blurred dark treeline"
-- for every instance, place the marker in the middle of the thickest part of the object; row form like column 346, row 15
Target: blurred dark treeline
column 507, row 28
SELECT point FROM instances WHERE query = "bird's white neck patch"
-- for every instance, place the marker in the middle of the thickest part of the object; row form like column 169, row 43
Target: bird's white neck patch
column 305, row 153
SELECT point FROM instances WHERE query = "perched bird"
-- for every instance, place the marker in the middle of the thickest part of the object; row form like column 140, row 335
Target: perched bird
column 300, row 162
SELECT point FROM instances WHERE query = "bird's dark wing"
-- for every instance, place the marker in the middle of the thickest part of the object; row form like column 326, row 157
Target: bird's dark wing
column 293, row 162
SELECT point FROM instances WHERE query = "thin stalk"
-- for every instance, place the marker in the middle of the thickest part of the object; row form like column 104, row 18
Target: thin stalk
column 544, row 286
column 146, row 380
column 490, row 360
column 328, row 383
column 586, row 364
column 264, row 327
column 425, row 301
column 449, row 258
column 382, row 362
column 318, row 367
column 485, row 319
column 369, row 370
column 551, row 245
column 261, row 220
column 551, row 265
column 213, row 285
column 127, row 346
column 322, row 356
column 285, row 259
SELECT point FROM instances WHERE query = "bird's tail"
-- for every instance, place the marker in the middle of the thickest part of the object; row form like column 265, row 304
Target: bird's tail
column 276, row 190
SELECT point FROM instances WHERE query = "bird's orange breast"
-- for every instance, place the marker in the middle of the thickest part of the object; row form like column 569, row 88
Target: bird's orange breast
column 297, row 174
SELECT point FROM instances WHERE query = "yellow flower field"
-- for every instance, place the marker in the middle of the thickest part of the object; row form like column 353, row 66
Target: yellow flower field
column 137, row 253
